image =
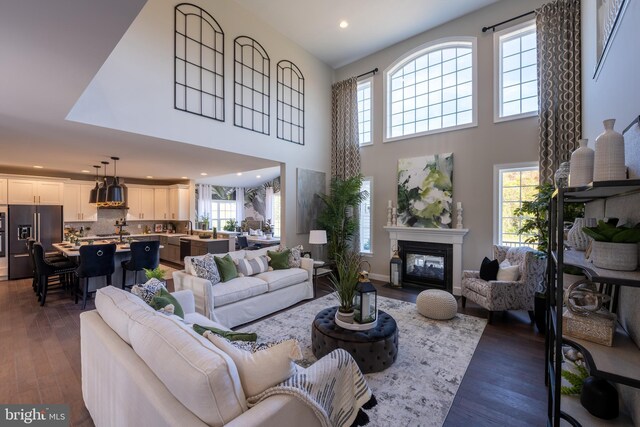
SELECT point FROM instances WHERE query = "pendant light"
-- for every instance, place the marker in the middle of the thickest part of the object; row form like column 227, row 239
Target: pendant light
column 115, row 196
column 93, row 195
column 102, row 191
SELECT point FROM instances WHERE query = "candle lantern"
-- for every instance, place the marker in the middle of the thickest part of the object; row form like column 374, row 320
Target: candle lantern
column 365, row 303
column 395, row 270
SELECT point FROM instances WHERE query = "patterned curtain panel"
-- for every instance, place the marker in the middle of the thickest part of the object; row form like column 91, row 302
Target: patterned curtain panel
column 559, row 83
column 345, row 149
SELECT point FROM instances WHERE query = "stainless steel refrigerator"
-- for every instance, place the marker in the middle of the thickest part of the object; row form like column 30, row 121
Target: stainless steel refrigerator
column 43, row 223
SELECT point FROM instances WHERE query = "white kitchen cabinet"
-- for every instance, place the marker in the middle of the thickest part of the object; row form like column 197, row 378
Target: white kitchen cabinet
column 34, row 192
column 76, row 206
column 140, row 203
column 3, row 192
column 179, row 202
column 161, row 203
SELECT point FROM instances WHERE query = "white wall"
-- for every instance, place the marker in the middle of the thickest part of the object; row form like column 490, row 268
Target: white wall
column 615, row 94
column 133, row 92
column 475, row 150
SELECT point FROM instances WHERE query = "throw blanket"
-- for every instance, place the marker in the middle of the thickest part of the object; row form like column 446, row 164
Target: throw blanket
column 333, row 387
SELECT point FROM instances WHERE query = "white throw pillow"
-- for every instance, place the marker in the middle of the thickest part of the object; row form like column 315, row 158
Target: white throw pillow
column 508, row 272
column 261, row 369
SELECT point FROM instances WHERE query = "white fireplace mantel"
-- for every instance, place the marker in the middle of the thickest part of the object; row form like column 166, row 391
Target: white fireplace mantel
column 452, row 236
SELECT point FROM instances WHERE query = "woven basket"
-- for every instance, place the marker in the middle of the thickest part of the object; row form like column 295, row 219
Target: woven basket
column 614, row 256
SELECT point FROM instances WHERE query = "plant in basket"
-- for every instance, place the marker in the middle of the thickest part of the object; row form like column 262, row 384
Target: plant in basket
column 613, row 248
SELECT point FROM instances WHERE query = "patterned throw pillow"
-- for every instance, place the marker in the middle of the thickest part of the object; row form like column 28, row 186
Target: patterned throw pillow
column 148, row 290
column 249, row 267
column 294, row 256
column 206, row 268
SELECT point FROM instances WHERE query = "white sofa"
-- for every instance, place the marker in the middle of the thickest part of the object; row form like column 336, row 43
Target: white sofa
column 245, row 299
column 142, row 368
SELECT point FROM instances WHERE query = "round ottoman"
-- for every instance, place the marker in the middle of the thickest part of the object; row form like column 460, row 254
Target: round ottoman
column 437, row 304
column 373, row 350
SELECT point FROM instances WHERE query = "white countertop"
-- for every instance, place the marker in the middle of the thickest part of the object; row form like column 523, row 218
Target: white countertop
column 124, row 236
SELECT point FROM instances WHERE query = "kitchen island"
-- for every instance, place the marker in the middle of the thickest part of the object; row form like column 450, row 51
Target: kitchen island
column 123, row 253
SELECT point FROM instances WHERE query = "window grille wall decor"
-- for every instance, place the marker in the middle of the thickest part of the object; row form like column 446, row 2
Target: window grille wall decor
column 198, row 63
column 251, row 85
column 290, row 102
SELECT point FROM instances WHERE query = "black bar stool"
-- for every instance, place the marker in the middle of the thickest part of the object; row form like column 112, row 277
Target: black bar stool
column 95, row 261
column 244, row 244
column 32, row 262
column 143, row 255
column 45, row 269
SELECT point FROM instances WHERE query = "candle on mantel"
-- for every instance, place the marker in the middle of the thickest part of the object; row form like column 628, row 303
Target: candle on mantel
column 459, row 205
column 389, row 203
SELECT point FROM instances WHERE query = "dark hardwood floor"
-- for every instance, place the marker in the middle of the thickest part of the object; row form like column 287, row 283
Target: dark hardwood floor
column 40, row 360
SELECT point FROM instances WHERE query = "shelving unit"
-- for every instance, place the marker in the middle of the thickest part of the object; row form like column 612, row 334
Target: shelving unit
column 620, row 363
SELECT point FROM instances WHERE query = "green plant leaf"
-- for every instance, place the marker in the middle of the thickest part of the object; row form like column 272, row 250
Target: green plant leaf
column 628, row 235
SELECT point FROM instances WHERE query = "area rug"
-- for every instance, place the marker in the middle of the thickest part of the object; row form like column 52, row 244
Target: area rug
column 419, row 388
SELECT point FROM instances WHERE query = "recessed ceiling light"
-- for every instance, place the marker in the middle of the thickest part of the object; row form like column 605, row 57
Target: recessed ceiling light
column 184, row 177
column 257, row 176
column 85, row 171
column 203, row 173
column 149, row 176
column 38, row 167
column 344, row 24
column 239, row 174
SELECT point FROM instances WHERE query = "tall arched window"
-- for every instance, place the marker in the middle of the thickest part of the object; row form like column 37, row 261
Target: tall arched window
column 198, row 63
column 431, row 89
column 251, row 85
column 290, row 96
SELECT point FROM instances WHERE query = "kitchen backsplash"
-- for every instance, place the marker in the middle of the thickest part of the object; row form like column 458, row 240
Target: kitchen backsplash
column 107, row 219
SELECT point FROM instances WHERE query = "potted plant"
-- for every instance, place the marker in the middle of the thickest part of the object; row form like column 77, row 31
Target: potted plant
column 344, row 281
column 337, row 217
column 156, row 273
column 614, row 248
column 534, row 216
column 267, row 229
column 204, row 221
column 230, row 225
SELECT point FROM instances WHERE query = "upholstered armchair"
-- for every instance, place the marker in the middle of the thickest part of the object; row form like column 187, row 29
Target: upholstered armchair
column 497, row 295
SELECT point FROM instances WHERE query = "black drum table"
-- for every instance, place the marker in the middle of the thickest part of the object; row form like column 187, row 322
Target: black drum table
column 373, row 350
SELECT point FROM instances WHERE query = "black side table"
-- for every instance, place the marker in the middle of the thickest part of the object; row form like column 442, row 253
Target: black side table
column 320, row 269
column 373, row 350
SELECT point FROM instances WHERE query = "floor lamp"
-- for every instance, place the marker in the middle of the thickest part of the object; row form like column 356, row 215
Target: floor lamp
column 318, row 238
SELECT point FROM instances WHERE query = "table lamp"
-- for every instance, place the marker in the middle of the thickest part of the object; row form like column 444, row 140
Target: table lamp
column 318, row 238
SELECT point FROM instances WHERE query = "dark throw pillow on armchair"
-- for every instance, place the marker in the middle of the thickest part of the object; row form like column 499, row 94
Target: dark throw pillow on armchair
column 489, row 269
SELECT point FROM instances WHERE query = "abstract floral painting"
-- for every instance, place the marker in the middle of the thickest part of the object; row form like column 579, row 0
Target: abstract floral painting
column 424, row 191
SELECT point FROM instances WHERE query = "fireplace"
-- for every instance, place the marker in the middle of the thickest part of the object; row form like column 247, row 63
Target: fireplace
column 427, row 264
column 444, row 236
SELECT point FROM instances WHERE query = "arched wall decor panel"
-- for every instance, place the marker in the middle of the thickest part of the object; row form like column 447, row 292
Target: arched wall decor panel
column 290, row 102
column 198, row 63
column 251, row 87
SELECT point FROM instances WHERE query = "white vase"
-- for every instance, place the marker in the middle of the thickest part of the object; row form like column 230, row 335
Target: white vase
column 581, row 170
column 576, row 238
column 609, row 155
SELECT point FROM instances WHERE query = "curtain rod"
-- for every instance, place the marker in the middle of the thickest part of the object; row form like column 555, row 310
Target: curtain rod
column 375, row 70
column 493, row 27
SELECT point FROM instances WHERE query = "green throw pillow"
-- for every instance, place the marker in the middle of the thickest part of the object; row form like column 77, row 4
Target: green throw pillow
column 163, row 299
column 230, row 335
column 279, row 260
column 226, row 268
